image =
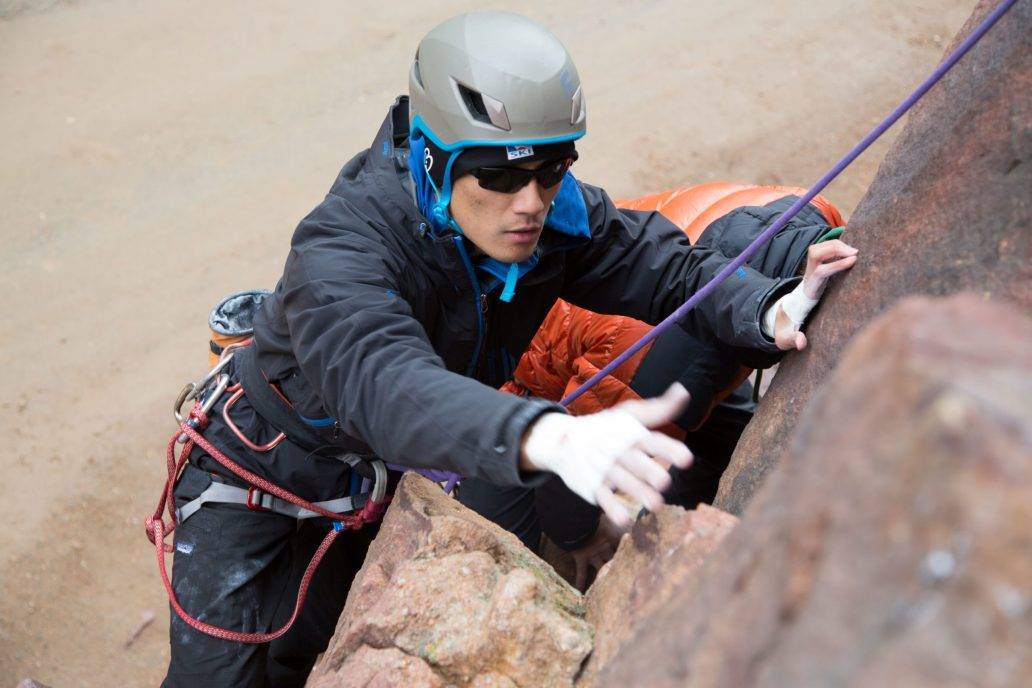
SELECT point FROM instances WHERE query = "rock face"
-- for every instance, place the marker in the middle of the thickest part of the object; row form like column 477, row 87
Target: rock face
column 447, row 598
column 891, row 545
column 950, row 210
column 653, row 563
column 372, row 668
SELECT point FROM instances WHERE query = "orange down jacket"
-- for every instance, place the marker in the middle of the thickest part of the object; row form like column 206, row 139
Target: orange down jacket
column 573, row 343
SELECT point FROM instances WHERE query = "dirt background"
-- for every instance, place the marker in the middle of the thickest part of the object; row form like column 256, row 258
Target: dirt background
column 157, row 156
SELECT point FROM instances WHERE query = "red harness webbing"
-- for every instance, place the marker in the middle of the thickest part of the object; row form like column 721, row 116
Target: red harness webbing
column 158, row 530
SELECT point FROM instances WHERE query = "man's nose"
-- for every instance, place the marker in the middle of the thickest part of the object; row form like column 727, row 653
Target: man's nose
column 528, row 200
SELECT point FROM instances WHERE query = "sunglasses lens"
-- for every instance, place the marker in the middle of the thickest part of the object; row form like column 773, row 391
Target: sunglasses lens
column 502, row 179
column 552, row 173
column 512, row 179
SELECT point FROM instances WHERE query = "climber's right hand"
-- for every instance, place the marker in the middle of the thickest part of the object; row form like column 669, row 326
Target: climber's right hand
column 615, row 449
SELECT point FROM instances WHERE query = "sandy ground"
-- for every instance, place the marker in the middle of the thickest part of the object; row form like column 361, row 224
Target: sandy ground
column 158, row 155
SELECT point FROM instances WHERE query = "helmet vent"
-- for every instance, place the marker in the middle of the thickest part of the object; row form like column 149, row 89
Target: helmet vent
column 484, row 108
column 577, row 109
column 415, row 71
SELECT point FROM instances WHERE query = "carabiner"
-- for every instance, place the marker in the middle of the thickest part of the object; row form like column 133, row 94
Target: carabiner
column 238, row 391
column 193, row 390
column 220, row 386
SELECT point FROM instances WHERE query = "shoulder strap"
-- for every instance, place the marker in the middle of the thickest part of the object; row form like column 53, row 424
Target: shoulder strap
column 271, row 406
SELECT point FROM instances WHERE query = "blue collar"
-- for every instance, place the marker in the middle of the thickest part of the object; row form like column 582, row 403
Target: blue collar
column 569, row 214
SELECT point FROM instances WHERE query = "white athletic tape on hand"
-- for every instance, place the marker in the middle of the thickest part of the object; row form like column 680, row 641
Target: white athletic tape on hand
column 796, row 304
column 582, row 449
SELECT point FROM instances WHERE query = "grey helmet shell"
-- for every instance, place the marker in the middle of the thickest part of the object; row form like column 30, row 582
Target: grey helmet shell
column 494, row 78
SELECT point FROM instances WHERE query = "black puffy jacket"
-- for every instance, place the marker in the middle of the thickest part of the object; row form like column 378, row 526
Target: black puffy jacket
column 385, row 329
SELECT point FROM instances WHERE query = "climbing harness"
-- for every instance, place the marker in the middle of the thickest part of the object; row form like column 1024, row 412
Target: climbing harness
column 346, row 513
column 256, row 500
column 777, row 226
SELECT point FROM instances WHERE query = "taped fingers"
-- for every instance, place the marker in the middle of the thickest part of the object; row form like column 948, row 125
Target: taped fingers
column 613, row 507
column 658, row 410
column 666, row 448
column 634, row 487
column 645, row 468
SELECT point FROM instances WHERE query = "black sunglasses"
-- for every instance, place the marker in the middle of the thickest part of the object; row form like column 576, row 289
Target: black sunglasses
column 512, row 179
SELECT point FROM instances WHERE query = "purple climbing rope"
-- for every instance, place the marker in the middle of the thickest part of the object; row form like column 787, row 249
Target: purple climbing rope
column 433, row 474
column 763, row 238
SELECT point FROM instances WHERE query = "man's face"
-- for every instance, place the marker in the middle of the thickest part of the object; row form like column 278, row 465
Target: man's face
column 505, row 226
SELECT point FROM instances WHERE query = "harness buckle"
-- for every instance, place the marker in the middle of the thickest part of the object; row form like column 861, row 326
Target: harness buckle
column 380, row 482
column 254, row 499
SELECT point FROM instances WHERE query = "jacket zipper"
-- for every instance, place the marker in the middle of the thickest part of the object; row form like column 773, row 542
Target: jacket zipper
column 480, row 305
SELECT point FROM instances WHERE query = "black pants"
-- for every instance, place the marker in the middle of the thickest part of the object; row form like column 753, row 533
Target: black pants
column 527, row 512
column 240, row 569
column 712, row 446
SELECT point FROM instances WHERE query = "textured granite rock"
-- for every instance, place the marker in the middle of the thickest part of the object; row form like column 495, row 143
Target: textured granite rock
column 891, row 546
column 458, row 596
column 372, row 668
column 949, row 210
column 653, row 563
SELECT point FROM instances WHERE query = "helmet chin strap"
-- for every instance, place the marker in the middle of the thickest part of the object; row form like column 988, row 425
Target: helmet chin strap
column 440, row 215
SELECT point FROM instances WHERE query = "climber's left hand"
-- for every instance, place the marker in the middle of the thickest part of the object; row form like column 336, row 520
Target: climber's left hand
column 789, row 313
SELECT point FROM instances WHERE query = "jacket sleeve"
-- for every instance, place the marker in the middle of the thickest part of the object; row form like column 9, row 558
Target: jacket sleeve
column 640, row 264
column 782, row 257
column 362, row 350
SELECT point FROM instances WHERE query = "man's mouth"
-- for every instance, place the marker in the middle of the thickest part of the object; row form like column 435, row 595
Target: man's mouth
column 523, row 234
